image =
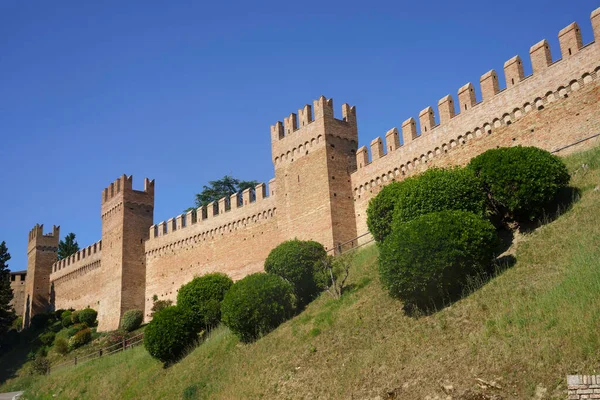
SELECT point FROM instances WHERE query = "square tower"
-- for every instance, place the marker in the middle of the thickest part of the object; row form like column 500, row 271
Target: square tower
column 313, row 157
column 127, row 215
column 42, row 252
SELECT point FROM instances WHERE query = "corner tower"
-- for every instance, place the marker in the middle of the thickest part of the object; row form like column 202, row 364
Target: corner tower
column 42, row 252
column 313, row 157
column 127, row 215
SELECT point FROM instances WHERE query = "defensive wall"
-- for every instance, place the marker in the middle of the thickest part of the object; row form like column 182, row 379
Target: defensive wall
column 17, row 284
column 556, row 105
column 321, row 188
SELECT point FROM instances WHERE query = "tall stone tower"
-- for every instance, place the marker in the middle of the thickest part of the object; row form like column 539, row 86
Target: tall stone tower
column 127, row 215
column 313, row 158
column 42, row 252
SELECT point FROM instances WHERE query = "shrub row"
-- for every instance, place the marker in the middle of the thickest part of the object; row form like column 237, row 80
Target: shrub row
column 431, row 228
column 251, row 307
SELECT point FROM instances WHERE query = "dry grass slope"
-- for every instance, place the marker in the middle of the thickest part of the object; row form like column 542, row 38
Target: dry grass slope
column 515, row 337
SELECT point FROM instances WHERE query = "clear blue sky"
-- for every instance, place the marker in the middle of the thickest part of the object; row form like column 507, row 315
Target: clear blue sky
column 185, row 92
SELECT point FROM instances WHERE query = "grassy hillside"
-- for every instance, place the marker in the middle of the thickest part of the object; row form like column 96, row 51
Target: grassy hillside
column 515, row 337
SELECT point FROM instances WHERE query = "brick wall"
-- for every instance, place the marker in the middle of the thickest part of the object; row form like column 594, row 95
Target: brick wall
column 583, row 387
column 555, row 106
column 17, row 284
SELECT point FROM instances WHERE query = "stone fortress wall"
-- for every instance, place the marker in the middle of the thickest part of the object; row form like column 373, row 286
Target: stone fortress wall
column 555, row 106
column 321, row 188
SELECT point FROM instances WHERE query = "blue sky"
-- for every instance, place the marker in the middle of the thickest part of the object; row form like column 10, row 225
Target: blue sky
column 185, row 92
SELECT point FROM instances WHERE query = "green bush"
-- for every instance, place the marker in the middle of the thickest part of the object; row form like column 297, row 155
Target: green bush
column 439, row 190
column 429, row 259
column 75, row 328
column 67, row 321
column 160, row 305
column 75, row 317
column 257, row 304
column 131, row 320
column 381, row 211
column 294, row 261
column 202, row 297
column 47, row 338
column 41, row 351
column 88, row 316
column 56, row 326
column 169, row 333
column 520, row 181
column 61, row 346
column 17, row 324
column 39, row 366
column 80, row 338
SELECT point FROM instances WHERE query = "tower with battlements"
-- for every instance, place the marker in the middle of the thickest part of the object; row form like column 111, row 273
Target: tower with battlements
column 313, row 155
column 42, row 252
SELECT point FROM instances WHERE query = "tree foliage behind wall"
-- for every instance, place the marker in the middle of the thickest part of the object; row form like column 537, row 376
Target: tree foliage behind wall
column 7, row 314
column 68, row 246
column 220, row 188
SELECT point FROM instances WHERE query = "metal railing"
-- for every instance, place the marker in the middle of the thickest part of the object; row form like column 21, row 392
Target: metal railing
column 105, row 351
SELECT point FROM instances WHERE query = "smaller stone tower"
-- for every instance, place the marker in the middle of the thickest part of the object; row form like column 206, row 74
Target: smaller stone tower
column 127, row 215
column 42, row 252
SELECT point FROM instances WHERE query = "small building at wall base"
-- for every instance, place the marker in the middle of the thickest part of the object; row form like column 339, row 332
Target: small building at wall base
column 321, row 187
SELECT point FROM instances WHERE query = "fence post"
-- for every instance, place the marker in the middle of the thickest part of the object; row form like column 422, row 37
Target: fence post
column 75, row 359
column 99, row 353
column 124, row 344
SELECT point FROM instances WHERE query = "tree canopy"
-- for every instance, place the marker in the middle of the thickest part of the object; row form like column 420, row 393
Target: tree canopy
column 220, row 188
column 7, row 313
column 68, row 246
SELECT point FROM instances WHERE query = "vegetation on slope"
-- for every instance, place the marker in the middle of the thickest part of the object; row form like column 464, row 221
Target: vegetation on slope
column 516, row 336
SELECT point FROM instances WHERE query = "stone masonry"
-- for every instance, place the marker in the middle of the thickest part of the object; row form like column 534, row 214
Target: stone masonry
column 17, row 284
column 321, row 188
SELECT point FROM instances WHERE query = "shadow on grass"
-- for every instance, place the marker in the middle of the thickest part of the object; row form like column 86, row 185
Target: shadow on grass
column 20, row 348
column 472, row 284
column 562, row 203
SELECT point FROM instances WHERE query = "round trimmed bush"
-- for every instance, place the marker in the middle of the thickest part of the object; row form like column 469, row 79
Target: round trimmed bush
column 80, row 338
column 88, row 316
column 61, row 346
column 169, row 333
column 75, row 317
column 381, row 210
column 75, row 328
column 202, row 297
column 131, row 320
column 520, row 181
column 67, row 321
column 47, row 338
column 257, row 304
column 439, row 190
column 429, row 259
column 294, row 261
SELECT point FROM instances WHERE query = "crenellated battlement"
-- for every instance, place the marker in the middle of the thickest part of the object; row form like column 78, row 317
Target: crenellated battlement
column 301, row 133
column 124, row 186
column 229, row 213
column 76, row 261
column 497, row 106
column 37, row 238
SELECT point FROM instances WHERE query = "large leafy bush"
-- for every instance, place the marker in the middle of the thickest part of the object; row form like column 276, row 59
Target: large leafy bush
column 202, row 297
column 257, row 304
column 88, row 316
column 294, row 261
column 429, row 259
column 439, row 190
column 520, row 181
column 169, row 333
column 132, row 319
column 80, row 338
column 381, row 211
